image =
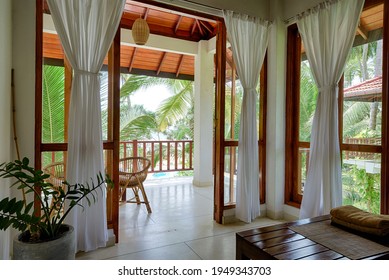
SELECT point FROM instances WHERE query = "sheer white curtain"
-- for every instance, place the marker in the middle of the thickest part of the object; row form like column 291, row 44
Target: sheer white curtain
column 249, row 38
column 327, row 32
column 86, row 29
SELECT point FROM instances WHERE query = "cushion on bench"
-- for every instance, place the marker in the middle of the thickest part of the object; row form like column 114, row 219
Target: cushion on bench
column 357, row 219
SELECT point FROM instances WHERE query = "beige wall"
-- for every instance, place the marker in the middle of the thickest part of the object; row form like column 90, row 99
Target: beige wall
column 292, row 8
column 5, row 105
column 259, row 8
column 17, row 51
column 23, row 62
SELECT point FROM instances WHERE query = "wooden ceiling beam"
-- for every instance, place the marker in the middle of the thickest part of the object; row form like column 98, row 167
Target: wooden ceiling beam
column 161, row 62
column 200, row 28
column 163, row 31
column 207, row 26
column 180, row 65
column 146, row 14
column 229, row 58
column 229, row 61
column 178, row 24
column 361, row 31
column 193, row 27
column 132, row 60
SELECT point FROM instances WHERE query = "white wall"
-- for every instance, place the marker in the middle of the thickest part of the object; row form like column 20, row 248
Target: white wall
column 275, row 142
column 23, row 62
column 258, row 8
column 292, row 8
column 17, row 51
column 5, row 106
column 203, row 116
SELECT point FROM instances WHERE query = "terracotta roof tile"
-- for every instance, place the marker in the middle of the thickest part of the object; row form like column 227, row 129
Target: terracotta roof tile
column 367, row 91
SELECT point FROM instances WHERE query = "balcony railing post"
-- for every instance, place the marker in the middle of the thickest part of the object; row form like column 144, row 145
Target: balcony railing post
column 135, row 148
column 124, row 149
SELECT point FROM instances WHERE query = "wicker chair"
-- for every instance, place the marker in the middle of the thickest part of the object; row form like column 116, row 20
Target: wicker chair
column 132, row 173
column 56, row 170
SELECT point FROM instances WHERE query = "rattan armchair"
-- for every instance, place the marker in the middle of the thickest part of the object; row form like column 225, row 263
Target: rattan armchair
column 56, row 170
column 132, row 173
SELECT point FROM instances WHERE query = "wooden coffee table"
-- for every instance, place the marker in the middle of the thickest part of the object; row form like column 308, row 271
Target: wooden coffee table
column 283, row 242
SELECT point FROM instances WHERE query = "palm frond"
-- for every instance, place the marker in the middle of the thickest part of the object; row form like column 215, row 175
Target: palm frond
column 176, row 106
column 53, row 101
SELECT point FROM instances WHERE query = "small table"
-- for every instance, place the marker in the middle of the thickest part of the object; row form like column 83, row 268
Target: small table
column 284, row 242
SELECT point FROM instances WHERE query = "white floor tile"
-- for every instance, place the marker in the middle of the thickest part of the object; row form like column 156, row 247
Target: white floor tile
column 180, row 226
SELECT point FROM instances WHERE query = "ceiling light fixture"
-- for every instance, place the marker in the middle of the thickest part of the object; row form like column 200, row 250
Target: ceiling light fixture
column 140, row 31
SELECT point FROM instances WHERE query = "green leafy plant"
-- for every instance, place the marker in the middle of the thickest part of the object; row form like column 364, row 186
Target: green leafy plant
column 47, row 224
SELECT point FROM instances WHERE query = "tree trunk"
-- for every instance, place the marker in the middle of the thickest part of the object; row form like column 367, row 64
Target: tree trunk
column 377, row 73
column 365, row 73
column 373, row 116
column 378, row 60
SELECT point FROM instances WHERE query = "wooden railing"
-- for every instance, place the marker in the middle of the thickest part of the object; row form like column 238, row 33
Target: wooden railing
column 361, row 141
column 353, row 154
column 347, row 155
column 165, row 155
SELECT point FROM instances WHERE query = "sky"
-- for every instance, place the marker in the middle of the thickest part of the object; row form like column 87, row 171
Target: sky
column 150, row 98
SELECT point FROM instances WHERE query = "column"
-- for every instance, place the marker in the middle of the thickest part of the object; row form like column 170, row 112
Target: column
column 203, row 116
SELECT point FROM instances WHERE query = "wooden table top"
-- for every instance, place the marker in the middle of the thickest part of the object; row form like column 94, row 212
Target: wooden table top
column 281, row 242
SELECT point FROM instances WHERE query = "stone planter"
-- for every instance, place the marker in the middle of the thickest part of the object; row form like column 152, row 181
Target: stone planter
column 62, row 248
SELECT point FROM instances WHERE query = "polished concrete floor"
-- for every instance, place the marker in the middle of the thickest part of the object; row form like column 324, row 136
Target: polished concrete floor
column 180, row 227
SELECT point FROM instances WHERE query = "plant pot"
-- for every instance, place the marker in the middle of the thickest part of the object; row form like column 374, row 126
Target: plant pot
column 62, row 248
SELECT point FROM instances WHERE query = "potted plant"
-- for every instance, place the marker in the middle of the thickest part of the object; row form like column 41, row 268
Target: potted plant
column 41, row 231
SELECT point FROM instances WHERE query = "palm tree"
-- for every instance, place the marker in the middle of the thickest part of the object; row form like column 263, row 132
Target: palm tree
column 53, row 104
column 177, row 106
column 136, row 123
column 361, row 118
column 308, row 98
column 173, row 109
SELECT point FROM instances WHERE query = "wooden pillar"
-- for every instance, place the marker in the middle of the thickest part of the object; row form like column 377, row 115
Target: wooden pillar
column 112, row 153
column 385, row 122
column 67, row 92
column 219, row 121
column 38, row 83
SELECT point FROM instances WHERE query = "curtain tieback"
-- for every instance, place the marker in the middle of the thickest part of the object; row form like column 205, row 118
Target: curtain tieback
column 83, row 72
column 326, row 88
column 247, row 89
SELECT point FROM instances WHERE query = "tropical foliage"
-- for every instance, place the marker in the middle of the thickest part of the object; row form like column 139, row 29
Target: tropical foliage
column 172, row 117
column 53, row 102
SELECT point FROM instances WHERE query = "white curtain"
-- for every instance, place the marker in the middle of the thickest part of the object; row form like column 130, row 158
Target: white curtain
column 327, row 32
column 249, row 38
column 86, row 29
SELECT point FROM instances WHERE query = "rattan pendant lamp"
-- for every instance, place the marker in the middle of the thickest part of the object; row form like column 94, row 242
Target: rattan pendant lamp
column 140, row 31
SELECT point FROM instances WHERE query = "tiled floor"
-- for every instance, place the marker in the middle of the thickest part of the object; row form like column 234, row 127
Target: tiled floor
column 180, row 227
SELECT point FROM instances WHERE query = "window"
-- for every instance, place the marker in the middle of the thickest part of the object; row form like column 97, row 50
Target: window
column 360, row 115
column 233, row 104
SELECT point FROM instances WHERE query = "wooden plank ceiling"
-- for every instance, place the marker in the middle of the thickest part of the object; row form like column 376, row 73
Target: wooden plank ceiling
column 138, row 60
